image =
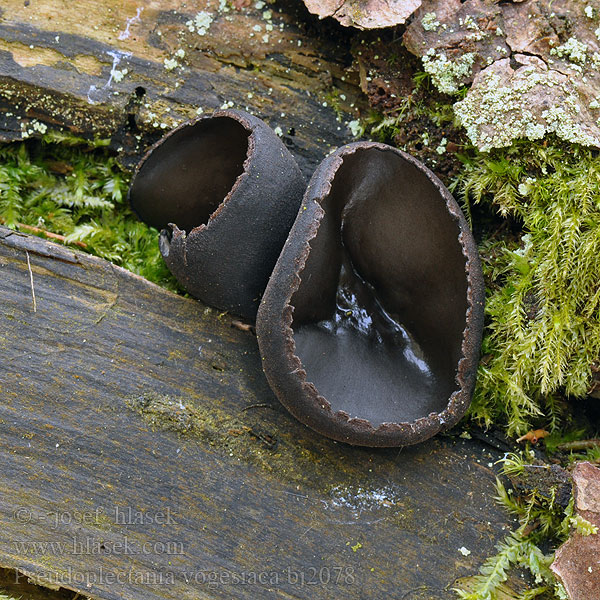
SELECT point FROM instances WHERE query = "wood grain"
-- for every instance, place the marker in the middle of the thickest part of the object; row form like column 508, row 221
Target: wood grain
column 58, row 69
column 119, row 398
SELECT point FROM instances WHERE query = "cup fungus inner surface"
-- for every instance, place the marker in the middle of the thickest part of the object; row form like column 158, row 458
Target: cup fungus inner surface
column 380, row 311
column 195, row 168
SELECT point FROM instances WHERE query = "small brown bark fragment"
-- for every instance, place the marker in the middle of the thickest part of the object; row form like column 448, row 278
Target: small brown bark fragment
column 577, row 562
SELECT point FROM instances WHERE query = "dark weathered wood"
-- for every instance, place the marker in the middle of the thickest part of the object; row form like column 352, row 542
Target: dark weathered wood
column 57, row 67
column 85, row 423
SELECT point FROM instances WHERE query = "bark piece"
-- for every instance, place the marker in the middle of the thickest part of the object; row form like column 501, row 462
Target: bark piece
column 577, row 561
column 364, row 14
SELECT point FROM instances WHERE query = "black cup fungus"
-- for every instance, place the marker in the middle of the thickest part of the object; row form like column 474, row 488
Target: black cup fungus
column 370, row 326
column 225, row 191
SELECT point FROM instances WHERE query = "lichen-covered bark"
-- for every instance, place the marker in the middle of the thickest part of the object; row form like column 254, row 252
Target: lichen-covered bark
column 130, row 70
column 534, row 66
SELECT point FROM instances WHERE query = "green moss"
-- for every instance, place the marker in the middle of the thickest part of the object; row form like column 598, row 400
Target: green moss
column 543, row 522
column 73, row 188
column 543, row 304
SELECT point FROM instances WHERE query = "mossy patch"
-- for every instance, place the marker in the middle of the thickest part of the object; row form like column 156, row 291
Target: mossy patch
column 543, row 307
column 73, row 191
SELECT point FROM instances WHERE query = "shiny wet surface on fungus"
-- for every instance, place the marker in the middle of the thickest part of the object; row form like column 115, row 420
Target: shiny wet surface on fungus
column 367, row 364
column 381, row 308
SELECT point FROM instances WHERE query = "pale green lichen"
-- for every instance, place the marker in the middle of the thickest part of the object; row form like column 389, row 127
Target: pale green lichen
column 430, row 22
column 497, row 112
column 447, row 75
column 356, row 128
column 469, row 23
column 118, row 75
column 32, row 128
column 573, row 49
column 200, row 23
column 170, row 64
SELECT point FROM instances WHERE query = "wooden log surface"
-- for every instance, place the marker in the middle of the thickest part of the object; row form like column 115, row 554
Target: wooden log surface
column 98, row 68
column 139, row 435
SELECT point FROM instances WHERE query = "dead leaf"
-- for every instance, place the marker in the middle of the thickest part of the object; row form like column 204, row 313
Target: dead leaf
column 364, row 14
column 59, row 167
column 533, row 436
column 577, row 561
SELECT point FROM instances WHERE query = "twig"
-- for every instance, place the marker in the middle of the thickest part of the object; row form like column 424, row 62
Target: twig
column 48, row 234
column 579, row 445
column 311, row 527
column 31, row 281
column 262, row 405
column 242, row 326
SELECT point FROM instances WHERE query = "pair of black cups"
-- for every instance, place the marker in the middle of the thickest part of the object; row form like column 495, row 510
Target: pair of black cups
column 366, row 285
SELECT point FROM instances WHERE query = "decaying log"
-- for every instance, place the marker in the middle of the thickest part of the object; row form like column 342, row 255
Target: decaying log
column 130, row 70
column 138, row 433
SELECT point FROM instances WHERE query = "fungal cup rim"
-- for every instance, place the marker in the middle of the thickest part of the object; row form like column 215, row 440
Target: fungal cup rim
column 235, row 115
column 359, row 430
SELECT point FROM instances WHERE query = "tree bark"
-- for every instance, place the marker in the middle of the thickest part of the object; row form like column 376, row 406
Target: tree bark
column 99, row 69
